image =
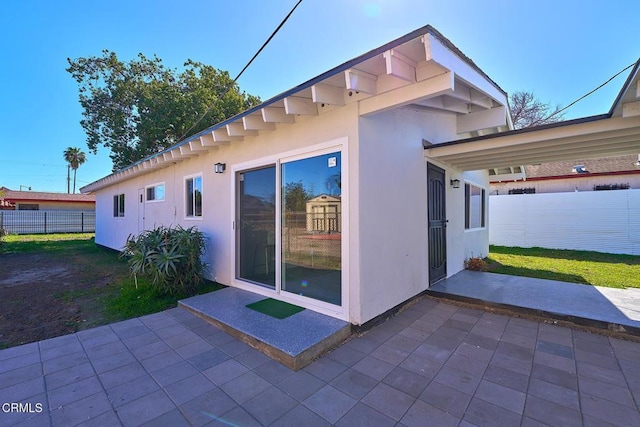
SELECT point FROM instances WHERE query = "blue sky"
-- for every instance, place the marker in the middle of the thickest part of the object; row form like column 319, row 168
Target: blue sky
column 558, row 49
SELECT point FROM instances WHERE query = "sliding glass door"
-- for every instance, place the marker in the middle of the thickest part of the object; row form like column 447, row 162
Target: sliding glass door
column 289, row 227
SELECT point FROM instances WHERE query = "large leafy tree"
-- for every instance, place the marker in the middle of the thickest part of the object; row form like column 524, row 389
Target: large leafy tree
column 140, row 107
column 74, row 158
column 528, row 111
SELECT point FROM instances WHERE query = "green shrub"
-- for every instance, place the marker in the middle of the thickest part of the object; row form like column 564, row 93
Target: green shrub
column 170, row 257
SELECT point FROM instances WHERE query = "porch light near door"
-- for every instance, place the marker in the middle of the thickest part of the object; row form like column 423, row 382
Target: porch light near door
column 219, row 167
column 455, row 183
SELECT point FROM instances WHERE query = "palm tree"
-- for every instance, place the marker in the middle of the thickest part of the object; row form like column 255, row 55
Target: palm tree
column 74, row 157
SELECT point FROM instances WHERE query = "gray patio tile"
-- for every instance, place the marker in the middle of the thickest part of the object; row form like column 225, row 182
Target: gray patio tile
column 415, row 334
column 626, row 354
column 207, row 407
column 81, row 410
column 206, row 360
column 426, row 325
column 98, row 337
column 113, row 361
column 269, row 405
column 589, row 421
column 433, row 352
column 409, row 382
column 554, row 348
column 124, row 325
column 22, row 391
column 380, row 335
column 521, row 340
column 486, row 331
column 458, row 380
column 131, row 331
column 551, row 413
column 554, row 393
column 362, row 344
column 555, row 376
column 330, row 403
column 68, row 376
column 177, row 341
column 421, row 414
column 613, row 376
column 530, row 422
column 109, row 418
column 403, row 342
column 161, row 361
column 171, row 331
column 104, row 350
column 458, row 324
column 504, row 397
column 252, row 358
column 362, row 415
column 28, row 420
column 128, row 392
column 514, row 351
column 173, row 418
column 189, row 388
column 449, row 400
column 61, row 341
column 145, row 409
column 220, row 338
column 516, row 365
column 71, row 347
column 64, row 362
column 122, row 375
column 481, row 341
column 620, row 346
column 300, row 385
column 225, row 371
column 468, row 316
column 375, row 368
column 173, row 373
column 506, row 378
column 234, row 348
column 194, row 348
column 608, row 361
column 388, row 400
column 466, row 364
column 390, row 354
column 158, row 320
column 75, row 391
column 235, row 417
column 446, row 337
column 142, row 340
column 421, row 365
column 301, row 416
column 609, row 411
column 20, row 362
column 327, row 369
column 346, row 355
column 603, row 348
column 150, row 350
column 474, row 352
column 245, row 387
column 21, row 374
column 483, row 413
column 194, row 322
column 354, row 383
column 553, row 361
column 273, row 371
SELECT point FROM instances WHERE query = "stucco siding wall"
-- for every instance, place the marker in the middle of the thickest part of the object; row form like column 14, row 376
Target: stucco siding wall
column 603, row 221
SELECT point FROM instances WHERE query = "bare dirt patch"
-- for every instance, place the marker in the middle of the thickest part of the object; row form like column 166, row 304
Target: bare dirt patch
column 45, row 295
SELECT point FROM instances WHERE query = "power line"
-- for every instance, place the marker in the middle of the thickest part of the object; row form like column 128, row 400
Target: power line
column 286, row 18
column 589, row 93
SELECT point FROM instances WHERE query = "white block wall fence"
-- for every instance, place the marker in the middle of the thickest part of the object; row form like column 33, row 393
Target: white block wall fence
column 603, row 221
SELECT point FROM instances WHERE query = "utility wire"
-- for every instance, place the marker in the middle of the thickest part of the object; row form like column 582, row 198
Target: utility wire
column 587, row 94
column 286, row 18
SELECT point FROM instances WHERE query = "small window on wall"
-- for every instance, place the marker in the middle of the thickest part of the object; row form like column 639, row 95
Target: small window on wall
column 474, row 204
column 155, row 193
column 193, row 193
column 118, row 205
column 28, row 207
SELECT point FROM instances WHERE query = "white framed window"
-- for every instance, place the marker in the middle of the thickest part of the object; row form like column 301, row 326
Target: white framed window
column 118, row 205
column 155, row 192
column 193, row 196
column 474, row 206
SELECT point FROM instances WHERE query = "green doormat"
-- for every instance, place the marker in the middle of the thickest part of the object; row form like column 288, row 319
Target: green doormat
column 275, row 308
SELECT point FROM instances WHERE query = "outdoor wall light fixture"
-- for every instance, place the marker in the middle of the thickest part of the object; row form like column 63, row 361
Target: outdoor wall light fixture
column 219, row 167
column 455, row 183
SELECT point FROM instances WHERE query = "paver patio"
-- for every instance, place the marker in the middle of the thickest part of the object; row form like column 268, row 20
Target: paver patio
column 432, row 364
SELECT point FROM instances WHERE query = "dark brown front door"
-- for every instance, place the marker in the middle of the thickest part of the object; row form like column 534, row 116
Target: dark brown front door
column 437, row 224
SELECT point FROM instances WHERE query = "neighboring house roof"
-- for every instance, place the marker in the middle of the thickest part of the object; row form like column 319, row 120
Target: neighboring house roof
column 5, row 204
column 426, row 71
column 38, row 196
column 627, row 163
column 614, row 133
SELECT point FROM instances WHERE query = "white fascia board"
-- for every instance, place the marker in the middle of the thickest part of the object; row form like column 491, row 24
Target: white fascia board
column 439, row 53
column 484, row 119
column 277, row 115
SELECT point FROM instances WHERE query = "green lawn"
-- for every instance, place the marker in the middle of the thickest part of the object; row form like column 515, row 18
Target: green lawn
column 590, row 268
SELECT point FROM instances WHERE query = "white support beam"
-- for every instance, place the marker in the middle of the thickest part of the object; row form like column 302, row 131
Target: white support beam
column 445, row 104
column 221, row 136
column 481, row 100
column 256, row 122
column 482, row 120
column 277, row 115
column 360, row 81
column 427, row 69
column 631, row 109
column 195, row 145
column 167, row 156
column 325, row 94
column 207, row 140
column 237, row 129
column 185, row 151
column 414, row 93
column 398, row 65
column 301, row 106
column 638, row 89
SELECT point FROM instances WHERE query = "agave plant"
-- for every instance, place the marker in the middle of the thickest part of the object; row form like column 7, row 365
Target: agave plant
column 171, row 257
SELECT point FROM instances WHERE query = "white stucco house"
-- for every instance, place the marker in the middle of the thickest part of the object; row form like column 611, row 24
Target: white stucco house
column 365, row 134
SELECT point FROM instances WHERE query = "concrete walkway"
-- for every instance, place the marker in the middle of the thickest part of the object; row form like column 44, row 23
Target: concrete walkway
column 432, row 364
